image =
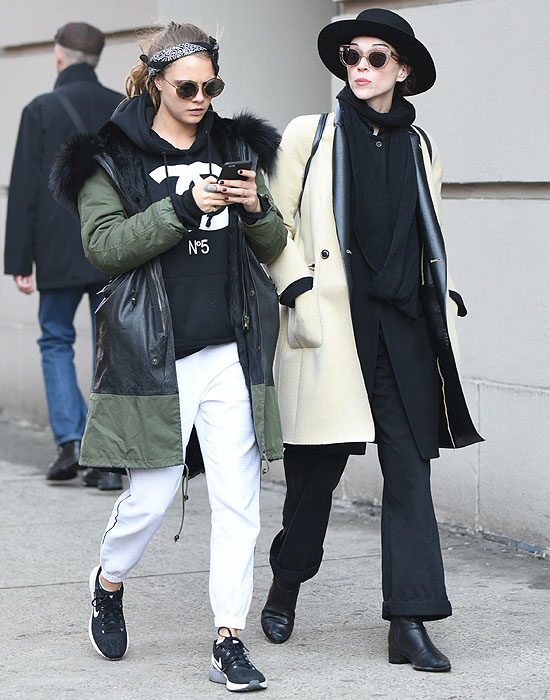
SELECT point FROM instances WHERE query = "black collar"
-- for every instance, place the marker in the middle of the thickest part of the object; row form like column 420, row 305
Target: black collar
column 78, row 72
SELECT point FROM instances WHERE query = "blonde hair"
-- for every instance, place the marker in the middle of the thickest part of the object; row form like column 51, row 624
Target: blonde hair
column 137, row 80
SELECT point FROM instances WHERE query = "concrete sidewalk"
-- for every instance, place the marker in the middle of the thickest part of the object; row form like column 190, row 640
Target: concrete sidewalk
column 498, row 639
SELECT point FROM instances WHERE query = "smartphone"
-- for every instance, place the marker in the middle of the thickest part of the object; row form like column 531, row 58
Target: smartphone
column 230, row 170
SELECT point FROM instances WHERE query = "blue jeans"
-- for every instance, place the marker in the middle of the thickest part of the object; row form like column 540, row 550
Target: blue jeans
column 66, row 406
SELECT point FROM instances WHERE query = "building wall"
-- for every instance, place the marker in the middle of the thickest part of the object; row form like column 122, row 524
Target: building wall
column 486, row 114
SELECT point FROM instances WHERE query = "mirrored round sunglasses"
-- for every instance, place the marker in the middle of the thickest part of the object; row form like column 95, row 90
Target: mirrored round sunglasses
column 187, row 89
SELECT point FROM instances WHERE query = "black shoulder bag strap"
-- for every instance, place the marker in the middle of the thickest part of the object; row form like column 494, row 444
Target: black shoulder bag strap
column 314, row 147
column 426, row 139
column 71, row 111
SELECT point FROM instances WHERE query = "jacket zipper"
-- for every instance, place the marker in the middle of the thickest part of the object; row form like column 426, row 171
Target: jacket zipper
column 445, row 404
column 255, row 294
column 155, row 281
column 246, row 315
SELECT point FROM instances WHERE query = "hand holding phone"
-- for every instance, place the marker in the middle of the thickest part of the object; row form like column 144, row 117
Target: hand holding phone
column 239, row 189
column 230, row 171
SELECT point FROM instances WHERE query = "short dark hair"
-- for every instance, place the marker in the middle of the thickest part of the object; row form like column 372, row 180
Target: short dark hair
column 407, row 86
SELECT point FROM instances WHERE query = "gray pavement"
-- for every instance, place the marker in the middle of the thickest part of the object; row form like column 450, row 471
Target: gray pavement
column 498, row 639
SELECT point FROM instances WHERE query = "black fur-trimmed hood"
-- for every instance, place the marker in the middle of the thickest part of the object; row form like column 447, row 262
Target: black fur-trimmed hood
column 247, row 128
column 76, row 161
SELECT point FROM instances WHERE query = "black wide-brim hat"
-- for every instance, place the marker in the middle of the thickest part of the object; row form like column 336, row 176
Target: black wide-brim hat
column 381, row 24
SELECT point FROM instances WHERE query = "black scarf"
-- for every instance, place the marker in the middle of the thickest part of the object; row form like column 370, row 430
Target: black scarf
column 384, row 198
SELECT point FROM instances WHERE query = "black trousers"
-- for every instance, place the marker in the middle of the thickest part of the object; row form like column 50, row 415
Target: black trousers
column 413, row 581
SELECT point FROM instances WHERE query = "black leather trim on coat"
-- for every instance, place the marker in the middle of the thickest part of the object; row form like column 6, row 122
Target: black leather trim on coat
column 457, row 428
column 435, row 256
column 289, row 295
column 341, row 193
column 459, row 301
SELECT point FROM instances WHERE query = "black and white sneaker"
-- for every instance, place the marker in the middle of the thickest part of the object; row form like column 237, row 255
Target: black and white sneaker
column 230, row 665
column 107, row 628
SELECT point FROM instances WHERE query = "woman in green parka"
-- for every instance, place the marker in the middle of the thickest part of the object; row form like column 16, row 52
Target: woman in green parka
column 187, row 330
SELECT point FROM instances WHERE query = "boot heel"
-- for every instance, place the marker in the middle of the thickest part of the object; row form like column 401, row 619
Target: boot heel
column 396, row 657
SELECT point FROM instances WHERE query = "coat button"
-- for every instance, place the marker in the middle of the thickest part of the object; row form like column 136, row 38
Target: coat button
column 154, row 360
column 251, row 292
column 325, row 254
column 379, row 144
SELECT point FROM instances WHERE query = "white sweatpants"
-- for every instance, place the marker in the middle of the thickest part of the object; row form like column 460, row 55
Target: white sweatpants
column 214, row 397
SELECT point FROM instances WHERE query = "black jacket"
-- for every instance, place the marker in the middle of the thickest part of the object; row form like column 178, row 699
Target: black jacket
column 456, row 428
column 39, row 230
column 134, row 342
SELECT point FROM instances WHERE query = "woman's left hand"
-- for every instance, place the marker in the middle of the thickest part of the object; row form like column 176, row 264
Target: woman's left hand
column 242, row 191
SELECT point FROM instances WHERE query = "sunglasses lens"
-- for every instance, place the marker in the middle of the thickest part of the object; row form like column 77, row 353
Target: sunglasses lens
column 186, row 90
column 350, row 56
column 214, row 87
column 377, row 59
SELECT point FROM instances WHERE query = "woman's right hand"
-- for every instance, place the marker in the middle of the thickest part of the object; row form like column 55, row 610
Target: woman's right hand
column 208, row 196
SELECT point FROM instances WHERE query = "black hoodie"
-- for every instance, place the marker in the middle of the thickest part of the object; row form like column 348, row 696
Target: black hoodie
column 195, row 271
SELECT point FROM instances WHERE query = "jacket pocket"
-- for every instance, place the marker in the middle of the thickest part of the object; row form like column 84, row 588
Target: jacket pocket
column 304, row 322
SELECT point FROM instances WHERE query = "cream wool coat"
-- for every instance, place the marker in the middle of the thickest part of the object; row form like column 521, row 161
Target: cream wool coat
column 322, row 394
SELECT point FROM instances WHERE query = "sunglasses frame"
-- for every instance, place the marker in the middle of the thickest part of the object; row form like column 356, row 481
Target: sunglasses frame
column 202, row 86
column 366, row 54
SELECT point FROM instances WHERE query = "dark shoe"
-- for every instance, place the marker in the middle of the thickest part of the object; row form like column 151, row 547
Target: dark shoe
column 91, row 477
column 409, row 643
column 64, row 467
column 107, row 629
column 230, row 665
column 109, row 481
column 279, row 611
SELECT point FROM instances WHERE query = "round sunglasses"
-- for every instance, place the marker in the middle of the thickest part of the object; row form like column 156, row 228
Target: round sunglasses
column 186, row 89
column 376, row 58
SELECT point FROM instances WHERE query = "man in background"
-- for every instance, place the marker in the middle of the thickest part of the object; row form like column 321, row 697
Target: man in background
column 41, row 231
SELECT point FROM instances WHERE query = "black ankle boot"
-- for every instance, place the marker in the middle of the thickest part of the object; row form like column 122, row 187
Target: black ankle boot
column 278, row 612
column 408, row 643
column 64, row 466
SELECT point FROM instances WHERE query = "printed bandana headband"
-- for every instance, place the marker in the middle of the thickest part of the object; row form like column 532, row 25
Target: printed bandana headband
column 163, row 58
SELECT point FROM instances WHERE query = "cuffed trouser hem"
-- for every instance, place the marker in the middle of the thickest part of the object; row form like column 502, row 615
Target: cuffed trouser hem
column 111, row 579
column 421, row 610
column 297, row 550
column 235, row 623
column 293, row 576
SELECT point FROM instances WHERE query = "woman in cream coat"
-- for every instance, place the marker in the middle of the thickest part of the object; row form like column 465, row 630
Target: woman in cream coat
column 367, row 348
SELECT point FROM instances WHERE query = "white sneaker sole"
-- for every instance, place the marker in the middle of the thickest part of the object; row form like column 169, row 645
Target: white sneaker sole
column 217, row 676
column 93, row 576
